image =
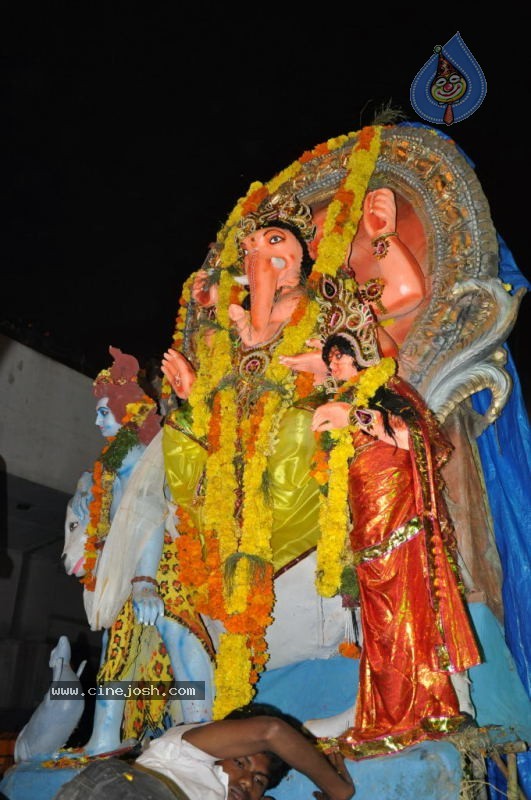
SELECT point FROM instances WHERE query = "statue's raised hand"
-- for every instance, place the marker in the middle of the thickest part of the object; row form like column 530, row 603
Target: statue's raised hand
column 179, row 372
column 203, row 292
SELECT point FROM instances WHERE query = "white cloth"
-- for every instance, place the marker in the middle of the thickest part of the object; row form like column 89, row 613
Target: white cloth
column 193, row 770
column 141, row 513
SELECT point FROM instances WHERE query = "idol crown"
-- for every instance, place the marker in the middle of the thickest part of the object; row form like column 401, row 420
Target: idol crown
column 343, row 314
column 280, row 207
column 123, row 371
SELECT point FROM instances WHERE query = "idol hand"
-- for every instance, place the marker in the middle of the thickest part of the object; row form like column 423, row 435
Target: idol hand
column 330, row 416
column 147, row 604
column 204, row 293
column 179, row 372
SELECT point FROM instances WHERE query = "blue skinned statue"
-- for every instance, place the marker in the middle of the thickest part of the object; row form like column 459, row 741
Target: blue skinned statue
column 118, row 542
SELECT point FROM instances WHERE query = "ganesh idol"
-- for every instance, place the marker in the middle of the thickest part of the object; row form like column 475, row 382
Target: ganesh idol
column 239, row 446
column 393, row 214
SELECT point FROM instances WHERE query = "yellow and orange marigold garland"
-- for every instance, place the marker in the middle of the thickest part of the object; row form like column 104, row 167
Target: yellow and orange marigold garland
column 239, row 658
column 334, row 515
column 345, row 210
column 331, row 471
column 180, row 324
column 99, row 520
column 372, row 379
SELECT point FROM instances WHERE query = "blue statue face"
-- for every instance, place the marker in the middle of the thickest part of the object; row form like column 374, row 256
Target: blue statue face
column 105, row 419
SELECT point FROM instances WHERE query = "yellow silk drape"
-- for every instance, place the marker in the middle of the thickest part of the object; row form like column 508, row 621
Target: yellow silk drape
column 292, row 491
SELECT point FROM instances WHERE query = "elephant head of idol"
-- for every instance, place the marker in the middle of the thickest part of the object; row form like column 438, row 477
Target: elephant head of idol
column 275, row 261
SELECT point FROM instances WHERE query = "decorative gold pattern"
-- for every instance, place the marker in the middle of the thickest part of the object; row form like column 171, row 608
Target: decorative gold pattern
column 281, row 206
column 342, row 313
column 400, row 535
column 431, row 728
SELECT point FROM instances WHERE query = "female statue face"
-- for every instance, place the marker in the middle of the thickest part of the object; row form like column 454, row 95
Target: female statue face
column 341, row 365
column 105, row 419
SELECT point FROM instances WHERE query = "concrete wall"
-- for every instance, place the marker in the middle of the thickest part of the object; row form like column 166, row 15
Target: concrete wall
column 47, row 413
column 47, row 439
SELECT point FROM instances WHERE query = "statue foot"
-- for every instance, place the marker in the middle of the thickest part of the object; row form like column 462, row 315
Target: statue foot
column 98, row 748
column 461, row 683
column 329, row 727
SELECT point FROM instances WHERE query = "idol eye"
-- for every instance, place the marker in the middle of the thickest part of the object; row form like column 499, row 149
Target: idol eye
column 276, row 238
column 72, row 526
column 245, row 251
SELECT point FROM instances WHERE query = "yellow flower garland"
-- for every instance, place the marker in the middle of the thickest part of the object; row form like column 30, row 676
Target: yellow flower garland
column 336, row 240
column 372, row 378
column 233, row 672
column 215, row 359
column 221, row 479
column 334, row 515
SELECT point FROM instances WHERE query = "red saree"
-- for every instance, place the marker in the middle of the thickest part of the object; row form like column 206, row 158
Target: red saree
column 416, row 630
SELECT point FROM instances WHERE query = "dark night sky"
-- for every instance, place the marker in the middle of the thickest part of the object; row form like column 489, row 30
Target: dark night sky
column 129, row 135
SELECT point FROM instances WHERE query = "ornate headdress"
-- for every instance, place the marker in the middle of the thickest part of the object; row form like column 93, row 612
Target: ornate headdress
column 123, row 371
column 119, row 384
column 343, row 314
column 279, row 207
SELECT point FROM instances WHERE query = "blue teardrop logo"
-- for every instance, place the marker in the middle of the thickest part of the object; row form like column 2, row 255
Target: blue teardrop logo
column 451, row 84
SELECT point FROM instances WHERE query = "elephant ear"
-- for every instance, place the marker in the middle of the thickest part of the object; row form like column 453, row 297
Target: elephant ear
column 454, row 346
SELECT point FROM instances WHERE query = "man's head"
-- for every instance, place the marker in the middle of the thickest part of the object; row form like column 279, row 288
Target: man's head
column 249, row 776
column 252, row 775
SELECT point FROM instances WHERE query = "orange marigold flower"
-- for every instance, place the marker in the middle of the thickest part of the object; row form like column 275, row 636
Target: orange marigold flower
column 306, row 156
column 299, row 312
column 304, row 384
column 345, row 196
column 214, row 432
column 254, row 200
column 313, row 280
column 235, row 294
column 365, row 138
column 319, row 150
column 349, row 650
